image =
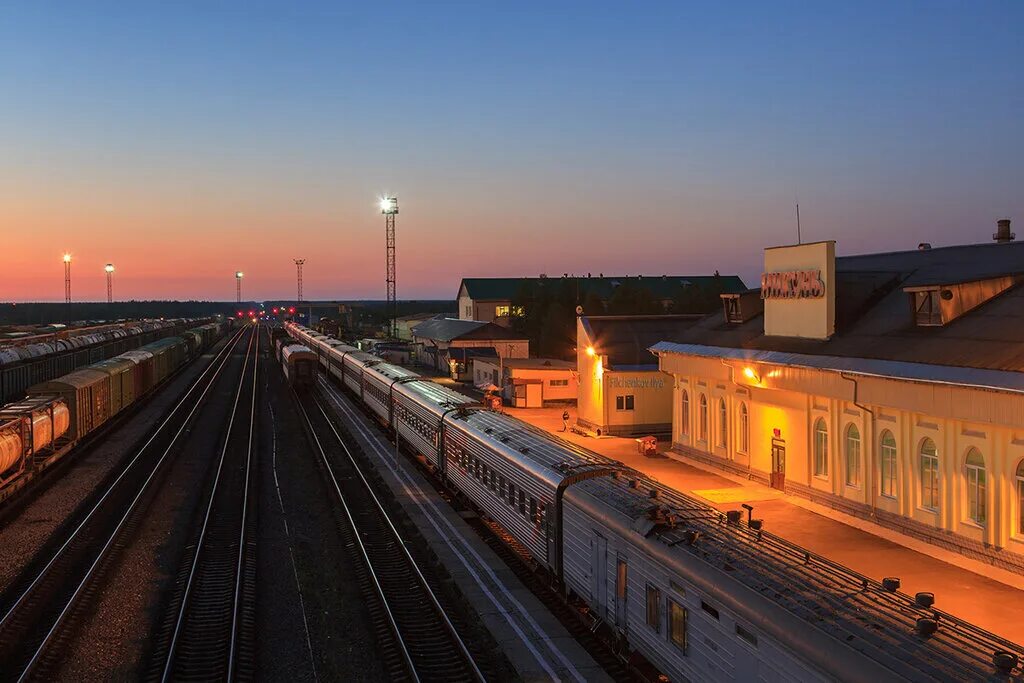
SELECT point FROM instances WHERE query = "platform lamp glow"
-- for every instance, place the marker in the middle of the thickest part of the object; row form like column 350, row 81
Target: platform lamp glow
column 389, row 207
column 109, row 268
column 67, row 278
column 238, row 285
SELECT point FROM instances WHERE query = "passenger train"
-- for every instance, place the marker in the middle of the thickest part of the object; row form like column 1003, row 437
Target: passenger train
column 700, row 594
column 56, row 414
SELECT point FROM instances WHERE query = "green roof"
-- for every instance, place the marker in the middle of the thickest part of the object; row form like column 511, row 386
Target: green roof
column 660, row 286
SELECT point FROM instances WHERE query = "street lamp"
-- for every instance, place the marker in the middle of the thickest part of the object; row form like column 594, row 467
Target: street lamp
column 109, row 268
column 238, row 285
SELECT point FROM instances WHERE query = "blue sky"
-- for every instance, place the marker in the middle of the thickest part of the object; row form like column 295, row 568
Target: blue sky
column 186, row 140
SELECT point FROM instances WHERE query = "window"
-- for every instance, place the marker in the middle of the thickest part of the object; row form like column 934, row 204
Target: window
column 852, row 456
column 621, row 579
column 469, row 312
column 746, row 635
column 926, row 308
column 976, row 486
column 624, row 402
column 929, row 475
column 709, row 609
column 501, row 311
column 653, row 608
column 533, row 509
column 677, row 625
column 723, row 423
column 501, row 485
column 744, row 427
column 703, row 418
column 1020, row 498
column 684, row 413
column 820, row 448
column 888, row 469
column 559, row 382
column 522, row 502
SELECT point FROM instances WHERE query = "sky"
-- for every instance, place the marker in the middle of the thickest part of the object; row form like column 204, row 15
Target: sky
column 184, row 141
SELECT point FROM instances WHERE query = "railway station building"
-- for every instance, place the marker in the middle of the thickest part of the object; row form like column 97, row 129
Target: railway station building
column 622, row 391
column 887, row 386
column 446, row 344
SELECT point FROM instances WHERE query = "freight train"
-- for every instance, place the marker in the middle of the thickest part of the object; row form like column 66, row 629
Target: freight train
column 56, row 414
column 699, row 594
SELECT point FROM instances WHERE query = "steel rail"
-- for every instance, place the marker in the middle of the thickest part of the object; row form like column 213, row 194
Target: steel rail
column 192, row 576
column 221, row 358
column 402, row 543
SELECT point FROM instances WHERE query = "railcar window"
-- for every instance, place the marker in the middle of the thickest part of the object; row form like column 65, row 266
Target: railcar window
column 533, row 509
column 494, row 481
column 709, row 609
column 746, row 635
column 677, row 625
column 522, row 502
column 654, row 608
column 511, row 493
column 621, row 578
column 501, row 485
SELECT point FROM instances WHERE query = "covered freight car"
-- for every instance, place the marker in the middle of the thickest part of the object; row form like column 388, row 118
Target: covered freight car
column 87, row 395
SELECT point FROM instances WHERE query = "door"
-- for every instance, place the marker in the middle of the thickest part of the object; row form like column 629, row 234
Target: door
column 778, row 474
column 534, row 395
column 621, row 592
column 599, row 575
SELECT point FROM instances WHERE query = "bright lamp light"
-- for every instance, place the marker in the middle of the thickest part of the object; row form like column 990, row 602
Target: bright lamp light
column 749, row 373
column 109, row 267
column 67, row 258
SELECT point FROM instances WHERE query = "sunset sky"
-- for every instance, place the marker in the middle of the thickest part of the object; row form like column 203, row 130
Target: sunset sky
column 183, row 141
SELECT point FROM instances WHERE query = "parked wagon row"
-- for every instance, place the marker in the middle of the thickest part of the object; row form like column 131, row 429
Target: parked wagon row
column 59, row 412
column 25, row 365
column 700, row 594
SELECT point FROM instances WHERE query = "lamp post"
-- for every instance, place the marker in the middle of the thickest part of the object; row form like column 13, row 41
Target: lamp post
column 109, row 268
column 389, row 207
column 238, row 285
column 298, row 273
column 67, row 278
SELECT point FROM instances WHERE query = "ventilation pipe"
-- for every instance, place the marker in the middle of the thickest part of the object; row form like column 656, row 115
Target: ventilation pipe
column 1002, row 233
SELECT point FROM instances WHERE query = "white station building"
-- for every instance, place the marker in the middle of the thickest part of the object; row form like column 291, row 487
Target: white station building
column 889, row 386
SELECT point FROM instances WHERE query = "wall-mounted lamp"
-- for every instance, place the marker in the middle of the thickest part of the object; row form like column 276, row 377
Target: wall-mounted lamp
column 749, row 373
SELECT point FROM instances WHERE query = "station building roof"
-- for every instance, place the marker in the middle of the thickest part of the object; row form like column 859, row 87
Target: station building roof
column 452, row 329
column 875, row 313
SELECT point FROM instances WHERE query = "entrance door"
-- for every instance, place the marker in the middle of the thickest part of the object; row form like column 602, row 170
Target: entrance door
column 778, row 474
column 599, row 575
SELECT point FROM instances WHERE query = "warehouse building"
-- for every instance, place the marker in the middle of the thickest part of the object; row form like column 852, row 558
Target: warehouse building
column 528, row 382
column 490, row 298
column 622, row 391
column 888, row 386
column 443, row 344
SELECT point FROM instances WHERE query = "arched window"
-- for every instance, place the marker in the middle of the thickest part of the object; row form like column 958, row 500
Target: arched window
column 723, row 423
column 975, row 464
column 887, row 454
column 929, row 475
column 1020, row 498
column 684, row 417
column 820, row 448
column 744, row 440
column 703, row 417
column 852, row 455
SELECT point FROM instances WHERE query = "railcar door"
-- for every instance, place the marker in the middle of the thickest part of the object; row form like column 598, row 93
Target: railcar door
column 621, row 591
column 599, row 575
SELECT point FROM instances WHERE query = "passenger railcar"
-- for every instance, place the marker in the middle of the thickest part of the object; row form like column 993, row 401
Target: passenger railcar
column 700, row 594
column 299, row 365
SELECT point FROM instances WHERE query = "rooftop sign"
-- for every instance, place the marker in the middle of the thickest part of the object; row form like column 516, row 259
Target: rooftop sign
column 793, row 284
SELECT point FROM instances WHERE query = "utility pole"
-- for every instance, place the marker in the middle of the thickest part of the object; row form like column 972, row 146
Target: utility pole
column 389, row 207
column 298, row 269
column 109, row 268
column 67, row 278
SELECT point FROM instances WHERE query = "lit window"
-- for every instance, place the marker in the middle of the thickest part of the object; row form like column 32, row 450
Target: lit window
column 744, row 440
column 976, row 486
column 684, row 414
column 723, row 423
column 703, row 417
column 677, row 625
column 1020, row 498
column 559, row 383
column 820, row 448
column 888, row 470
column 852, row 456
column 501, row 311
column 929, row 475
column 654, row 608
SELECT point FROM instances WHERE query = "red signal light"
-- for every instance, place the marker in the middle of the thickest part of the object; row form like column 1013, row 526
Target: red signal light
column 239, row 314
column 275, row 311
column 291, row 310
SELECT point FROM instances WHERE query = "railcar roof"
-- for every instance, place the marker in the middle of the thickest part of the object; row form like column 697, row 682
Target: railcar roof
column 389, row 371
column 854, row 609
column 428, row 391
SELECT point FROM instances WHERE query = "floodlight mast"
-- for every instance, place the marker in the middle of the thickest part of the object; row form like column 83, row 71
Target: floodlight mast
column 109, row 268
column 238, row 285
column 67, row 278
column 389, row 207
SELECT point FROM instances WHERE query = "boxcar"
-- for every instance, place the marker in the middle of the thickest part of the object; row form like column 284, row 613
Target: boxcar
column 145, row 372
column 122, row 382
column 87, row 394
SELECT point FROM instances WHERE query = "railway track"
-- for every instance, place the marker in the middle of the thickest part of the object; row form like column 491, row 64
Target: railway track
column 417, row 639
column 210, row 632
column 39, row 610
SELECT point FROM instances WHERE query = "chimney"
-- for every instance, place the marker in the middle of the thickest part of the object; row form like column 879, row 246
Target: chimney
column 1002, row 233
column 924, row 246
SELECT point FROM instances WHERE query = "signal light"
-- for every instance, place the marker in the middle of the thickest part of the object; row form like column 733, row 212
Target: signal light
column 239, row 314
column 291, row 310
column 275, row 310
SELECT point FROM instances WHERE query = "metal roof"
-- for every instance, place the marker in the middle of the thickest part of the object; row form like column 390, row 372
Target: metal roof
column 660, row 286
column 997, row 380
column 625, row 339
column 449, row 329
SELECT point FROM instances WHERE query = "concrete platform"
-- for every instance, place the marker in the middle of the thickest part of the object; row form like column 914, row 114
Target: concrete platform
column 984, row 595
column 534, row 640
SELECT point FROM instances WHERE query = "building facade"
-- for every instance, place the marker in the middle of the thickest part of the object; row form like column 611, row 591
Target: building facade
column 528, row 382
column 437, row 336
column 889, row 386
